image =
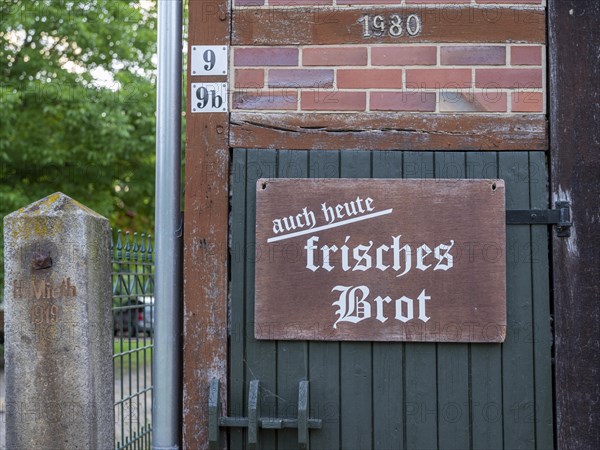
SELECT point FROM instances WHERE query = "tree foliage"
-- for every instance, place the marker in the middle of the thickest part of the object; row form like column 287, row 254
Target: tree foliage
column 77, row 105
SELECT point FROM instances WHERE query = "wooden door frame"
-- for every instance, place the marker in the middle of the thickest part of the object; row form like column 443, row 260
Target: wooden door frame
column 575, row 164
column 205, row 244
column 576, row 262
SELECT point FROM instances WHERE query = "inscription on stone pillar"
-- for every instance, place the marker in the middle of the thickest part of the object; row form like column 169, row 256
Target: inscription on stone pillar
column 59, row 388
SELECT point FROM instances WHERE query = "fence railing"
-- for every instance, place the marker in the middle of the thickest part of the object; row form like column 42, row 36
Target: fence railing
column 133, row 319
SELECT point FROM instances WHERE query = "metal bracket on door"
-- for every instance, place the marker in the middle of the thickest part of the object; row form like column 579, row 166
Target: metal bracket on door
column 561, row 216
column 253, row 422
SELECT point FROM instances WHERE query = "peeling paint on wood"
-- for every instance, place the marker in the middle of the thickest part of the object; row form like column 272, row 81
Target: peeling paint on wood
column 388, row 131
column 575, row 157
column 205, row 240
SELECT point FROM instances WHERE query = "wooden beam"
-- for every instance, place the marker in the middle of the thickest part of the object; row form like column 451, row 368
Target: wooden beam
column 205, row 237
column 388, row 131
column 322, row 25
column 575, row 166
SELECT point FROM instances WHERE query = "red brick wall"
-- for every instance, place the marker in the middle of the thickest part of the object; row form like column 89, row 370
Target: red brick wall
column 475, row 77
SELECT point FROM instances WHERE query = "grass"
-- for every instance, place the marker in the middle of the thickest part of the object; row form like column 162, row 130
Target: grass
column 139, row 355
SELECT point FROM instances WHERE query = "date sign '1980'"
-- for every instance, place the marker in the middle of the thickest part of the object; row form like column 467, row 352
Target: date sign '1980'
column 380, row 260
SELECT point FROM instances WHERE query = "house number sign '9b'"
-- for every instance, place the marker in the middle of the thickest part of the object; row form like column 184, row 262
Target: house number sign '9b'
column 395, row 25
column 209, row 97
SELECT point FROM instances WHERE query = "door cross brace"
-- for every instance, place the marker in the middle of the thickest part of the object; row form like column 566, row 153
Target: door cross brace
column 254, row 421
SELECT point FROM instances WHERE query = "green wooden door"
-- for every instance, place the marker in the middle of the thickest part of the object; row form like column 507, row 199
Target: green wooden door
column 400, row 395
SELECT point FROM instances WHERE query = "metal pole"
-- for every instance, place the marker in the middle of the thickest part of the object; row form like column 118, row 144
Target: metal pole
column 166, row 405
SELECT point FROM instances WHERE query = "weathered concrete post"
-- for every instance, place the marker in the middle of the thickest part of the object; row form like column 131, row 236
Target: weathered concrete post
column 59, row 386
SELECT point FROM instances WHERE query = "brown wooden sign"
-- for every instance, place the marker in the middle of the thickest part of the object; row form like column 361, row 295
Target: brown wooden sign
column 380, row 260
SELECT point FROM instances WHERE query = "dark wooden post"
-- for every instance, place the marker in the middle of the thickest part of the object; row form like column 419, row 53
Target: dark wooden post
column 205, row 236
column 575, row 156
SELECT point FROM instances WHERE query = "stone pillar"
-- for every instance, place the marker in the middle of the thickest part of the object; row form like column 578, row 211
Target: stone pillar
column 59, row 383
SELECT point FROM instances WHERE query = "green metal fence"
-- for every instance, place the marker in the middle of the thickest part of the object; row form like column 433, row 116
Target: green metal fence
column 133, row 320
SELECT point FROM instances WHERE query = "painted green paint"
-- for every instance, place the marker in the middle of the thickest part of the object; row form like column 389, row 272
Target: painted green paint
column 401, row 395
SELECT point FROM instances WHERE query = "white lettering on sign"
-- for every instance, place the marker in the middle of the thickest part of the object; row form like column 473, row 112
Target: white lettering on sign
column 354, row 306
column 398, row 254
column 304, row 219
column 394, row 24
column 365, row 258
column 352, row 211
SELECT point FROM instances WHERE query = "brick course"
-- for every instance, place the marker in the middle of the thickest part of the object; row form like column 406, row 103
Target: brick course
column 530, row 55
column 335, row 56
column 249, row 78
column 527, row 102
column 281, row 99
column 266, row 56
column 438, row 78
column 489, row 78
column 403, row 101
column 333, row 100
column 404, row 55
column 509, row 78
column 369, row 78
column 481, row 102
column 300, row 78
column 472, row 55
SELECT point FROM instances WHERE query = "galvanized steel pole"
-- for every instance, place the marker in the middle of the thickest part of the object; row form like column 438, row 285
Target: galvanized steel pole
column 166, row 406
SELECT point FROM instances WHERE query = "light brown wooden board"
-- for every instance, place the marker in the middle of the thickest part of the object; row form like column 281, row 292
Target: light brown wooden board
column 294, row 299
column 388, row 131
column 322, row 25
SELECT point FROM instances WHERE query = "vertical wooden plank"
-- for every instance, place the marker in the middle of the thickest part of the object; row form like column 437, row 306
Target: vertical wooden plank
column 574, row 112
column 387, row 164
column 388, row 376
column 453, row 396
column 205, row 237
column 292, row 357
column 237, row 325
column 324, row 357
column 453, row 359
column 542, row 337
column 420, row 358
column 355, row 357
column 261, row 356
column 517, row 350
column 486, row 359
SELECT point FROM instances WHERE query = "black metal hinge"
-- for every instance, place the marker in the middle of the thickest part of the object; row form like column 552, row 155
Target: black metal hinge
column 561, row 217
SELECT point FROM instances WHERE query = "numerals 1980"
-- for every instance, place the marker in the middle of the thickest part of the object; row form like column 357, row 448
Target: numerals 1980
column 394, row 25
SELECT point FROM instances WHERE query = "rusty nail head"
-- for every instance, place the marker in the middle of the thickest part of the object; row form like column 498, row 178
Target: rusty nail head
column 41, row 261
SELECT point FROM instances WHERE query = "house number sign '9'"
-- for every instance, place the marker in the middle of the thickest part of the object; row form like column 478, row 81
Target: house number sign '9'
column 395, row 25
